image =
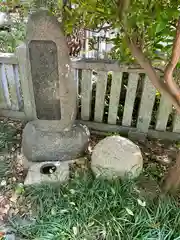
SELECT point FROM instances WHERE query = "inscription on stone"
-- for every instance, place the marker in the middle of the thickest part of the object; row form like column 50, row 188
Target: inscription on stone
column 44, row 70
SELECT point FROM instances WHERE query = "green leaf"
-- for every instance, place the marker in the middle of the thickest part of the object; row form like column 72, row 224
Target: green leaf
column 161, row 26
column 19, row 189
column 100, row 10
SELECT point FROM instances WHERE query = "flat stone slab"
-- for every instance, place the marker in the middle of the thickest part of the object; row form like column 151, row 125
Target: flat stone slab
column 45, row 172
column 39, row 145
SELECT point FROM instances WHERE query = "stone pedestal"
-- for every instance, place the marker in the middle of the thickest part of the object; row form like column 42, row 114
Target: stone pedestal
column 47, row 172
column 49, row 153
column 39, row 145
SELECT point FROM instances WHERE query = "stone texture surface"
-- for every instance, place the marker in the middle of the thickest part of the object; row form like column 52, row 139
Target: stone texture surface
column 44, row 31
column 116, row 156
column 40, row 146
column 44, row 68
column 35, row 176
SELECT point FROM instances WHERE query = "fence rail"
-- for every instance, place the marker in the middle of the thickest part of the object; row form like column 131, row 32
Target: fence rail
column 112, row 97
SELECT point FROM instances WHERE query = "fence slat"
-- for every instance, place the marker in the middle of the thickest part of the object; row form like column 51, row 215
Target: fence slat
column 114, row 97
column 164, row 110
column 76, row 78
column 12, row 86
column 176, row 123
column 100, row 95
column 5, row 87
column 2, row 97
column 130, row 98
column 26, row 83
column 146, row 106
column 18, row 86
column 86, row 94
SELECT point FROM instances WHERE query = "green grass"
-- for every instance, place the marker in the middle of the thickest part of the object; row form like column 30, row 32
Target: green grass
column 88, row 208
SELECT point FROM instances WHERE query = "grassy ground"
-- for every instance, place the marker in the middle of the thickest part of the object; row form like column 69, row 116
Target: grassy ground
column 91, row 209
column 88, row 208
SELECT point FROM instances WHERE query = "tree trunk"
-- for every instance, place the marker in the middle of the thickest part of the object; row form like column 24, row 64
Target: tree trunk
column 172, row 180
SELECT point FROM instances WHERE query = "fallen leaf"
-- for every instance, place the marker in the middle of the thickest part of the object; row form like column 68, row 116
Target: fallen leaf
column 129, row 212
column 64, row 211
column 3, row 183
column 53, row 212
column 14, row 198
column 90, row 224
column 75, row 230
column 14, row 179
column 155, row 225
column 72, row 191
column 141, row 203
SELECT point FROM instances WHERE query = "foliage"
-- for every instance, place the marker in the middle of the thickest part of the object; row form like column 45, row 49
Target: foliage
column 10, row 40
column 152, row 22
column 108, row 210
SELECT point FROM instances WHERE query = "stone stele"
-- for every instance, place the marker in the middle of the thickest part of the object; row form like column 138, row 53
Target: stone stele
column 116, row 156
column 52, row 136
column 54, row 91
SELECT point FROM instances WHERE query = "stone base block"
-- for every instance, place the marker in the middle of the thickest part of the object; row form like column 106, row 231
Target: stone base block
column 39, row 145
column 47, row 172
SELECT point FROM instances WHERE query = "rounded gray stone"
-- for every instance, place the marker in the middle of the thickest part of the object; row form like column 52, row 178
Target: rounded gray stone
column 39, row 145
column 116, row 156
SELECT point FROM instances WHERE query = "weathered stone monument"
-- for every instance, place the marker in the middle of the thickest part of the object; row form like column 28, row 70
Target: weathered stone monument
column 51, row 139
column 116, row 156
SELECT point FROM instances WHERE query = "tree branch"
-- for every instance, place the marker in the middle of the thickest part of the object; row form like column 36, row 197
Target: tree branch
column 169, row 87
column 123, row 6
column 105, row 28
column 168, row 74
column 146, row 64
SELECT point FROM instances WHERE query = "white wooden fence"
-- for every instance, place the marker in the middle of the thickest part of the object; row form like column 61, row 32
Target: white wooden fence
column 88, row 74
column 102, row 46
